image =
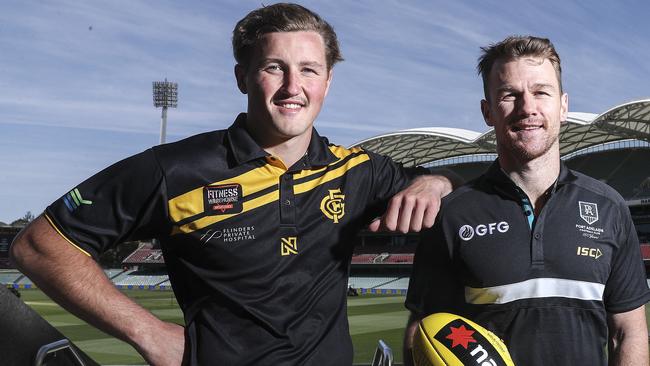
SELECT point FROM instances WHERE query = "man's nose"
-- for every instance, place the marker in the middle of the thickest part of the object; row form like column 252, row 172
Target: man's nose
column 292, row 82
column 527, row 104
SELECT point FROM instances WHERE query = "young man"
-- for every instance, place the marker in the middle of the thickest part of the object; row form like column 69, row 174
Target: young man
column 543, row 256
column 257, row 222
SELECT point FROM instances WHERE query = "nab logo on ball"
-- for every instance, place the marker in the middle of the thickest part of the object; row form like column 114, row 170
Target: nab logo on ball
column 468, row 345
column 467, row 232
column 444, row 339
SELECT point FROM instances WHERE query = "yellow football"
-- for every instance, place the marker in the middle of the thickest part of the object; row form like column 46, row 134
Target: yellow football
column 444, row 339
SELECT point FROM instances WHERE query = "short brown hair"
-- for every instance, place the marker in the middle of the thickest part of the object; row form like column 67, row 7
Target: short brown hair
column 515, row 47
column 281, row 17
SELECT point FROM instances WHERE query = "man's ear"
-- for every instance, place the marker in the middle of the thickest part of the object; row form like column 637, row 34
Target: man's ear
column 564, row 107
column 240, row 75
column 330, row 74
column 485, row 109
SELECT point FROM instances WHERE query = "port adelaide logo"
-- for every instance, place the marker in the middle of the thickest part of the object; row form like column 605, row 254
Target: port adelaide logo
column 588, row 212
column 467, row 232
column 222, row 199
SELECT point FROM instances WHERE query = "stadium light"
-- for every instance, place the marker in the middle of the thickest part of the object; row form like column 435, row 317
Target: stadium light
column 165, row 94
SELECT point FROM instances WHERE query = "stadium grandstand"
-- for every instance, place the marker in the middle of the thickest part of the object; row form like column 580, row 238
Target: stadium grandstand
column 613, row 146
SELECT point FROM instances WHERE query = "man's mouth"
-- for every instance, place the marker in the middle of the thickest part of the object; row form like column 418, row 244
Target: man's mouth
column 526, row 126
column 290, row 104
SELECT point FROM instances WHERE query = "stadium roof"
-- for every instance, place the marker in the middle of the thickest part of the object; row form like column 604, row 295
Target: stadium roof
column 423, row 146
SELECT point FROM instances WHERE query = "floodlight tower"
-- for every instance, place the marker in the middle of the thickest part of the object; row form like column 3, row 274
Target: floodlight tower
column 165, row 94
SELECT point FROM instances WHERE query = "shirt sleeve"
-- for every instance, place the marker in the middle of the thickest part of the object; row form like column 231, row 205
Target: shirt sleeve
column 626, row 288
column 433, row 286
column 386, row 179
column 124, row 202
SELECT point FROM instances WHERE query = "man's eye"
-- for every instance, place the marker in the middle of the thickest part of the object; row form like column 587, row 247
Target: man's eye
column 273, row 68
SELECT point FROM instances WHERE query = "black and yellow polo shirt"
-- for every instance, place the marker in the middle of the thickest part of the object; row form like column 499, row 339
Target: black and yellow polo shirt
column 543, row 284
column 257, row 253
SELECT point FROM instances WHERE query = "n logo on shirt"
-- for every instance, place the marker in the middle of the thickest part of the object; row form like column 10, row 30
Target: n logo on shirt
column 289, row 246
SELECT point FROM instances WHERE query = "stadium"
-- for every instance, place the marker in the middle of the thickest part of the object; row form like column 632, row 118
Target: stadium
column 613, row 146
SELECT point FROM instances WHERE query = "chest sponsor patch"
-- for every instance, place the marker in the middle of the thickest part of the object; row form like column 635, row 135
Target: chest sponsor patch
column 222, row 199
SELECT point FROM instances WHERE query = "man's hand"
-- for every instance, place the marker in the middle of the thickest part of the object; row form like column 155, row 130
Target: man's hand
column 409, row 333
column 415, row 207
column 165, row 346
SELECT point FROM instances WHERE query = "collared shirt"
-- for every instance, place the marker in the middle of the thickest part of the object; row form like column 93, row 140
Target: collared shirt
column 544, row 288
column 257, row 253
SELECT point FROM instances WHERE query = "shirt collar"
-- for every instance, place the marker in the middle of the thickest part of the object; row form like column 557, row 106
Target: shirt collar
column 244, row 148
column 496, row 176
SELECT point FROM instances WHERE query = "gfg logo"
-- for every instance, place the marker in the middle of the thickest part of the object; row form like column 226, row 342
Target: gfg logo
column 467, row 232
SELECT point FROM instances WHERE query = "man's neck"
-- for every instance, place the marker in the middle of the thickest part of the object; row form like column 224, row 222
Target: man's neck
column 534, row 177
column 289, row 151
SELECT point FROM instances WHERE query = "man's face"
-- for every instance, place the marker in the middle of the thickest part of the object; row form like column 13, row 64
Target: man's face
column 286, row 82
column 525, row 108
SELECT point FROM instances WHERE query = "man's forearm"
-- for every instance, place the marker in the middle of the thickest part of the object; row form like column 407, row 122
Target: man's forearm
column 628, row 338
column 75, row 281
column 629, row 352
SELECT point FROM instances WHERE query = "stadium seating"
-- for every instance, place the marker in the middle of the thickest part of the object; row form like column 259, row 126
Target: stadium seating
column 145, row 256
column 609, row 165
column 645, row 251
column 363, row 258
column 404, row 258
column 122, row 276
column 370, row 282
column 383, row 258
column 111, row 273
column 9, row 277
column 398, row 284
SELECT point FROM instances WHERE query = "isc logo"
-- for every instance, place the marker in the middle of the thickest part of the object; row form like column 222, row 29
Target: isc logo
column 589, row 252
column 466, row 232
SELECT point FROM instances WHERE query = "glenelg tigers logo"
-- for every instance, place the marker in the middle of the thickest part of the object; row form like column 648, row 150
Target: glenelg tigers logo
column 333, row 205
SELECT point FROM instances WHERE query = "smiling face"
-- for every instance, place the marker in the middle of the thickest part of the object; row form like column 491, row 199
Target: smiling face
column 286, row 82
column 526, row 108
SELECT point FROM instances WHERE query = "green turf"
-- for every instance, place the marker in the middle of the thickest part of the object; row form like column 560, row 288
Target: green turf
column 371, row 318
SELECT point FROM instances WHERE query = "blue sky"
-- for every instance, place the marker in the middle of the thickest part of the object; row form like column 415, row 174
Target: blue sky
column 75, row 76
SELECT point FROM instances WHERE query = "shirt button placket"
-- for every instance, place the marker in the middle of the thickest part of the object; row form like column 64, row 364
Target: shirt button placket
column 287, row 211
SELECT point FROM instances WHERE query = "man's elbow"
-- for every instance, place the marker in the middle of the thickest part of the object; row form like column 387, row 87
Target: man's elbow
column 25, row 250
column 21, row 250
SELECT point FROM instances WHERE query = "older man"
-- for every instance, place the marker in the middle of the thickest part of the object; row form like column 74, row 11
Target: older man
column 545, row 257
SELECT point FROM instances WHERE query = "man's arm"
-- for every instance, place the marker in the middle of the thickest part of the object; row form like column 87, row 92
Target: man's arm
column 75, row 280
column 628, row 338
column 415, row 207
column 409, row 333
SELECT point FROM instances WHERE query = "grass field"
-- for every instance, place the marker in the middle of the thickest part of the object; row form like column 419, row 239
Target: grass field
column 371, row 318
